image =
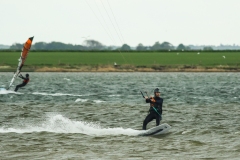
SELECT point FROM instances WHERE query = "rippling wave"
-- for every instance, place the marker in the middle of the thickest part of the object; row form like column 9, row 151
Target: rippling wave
column 61, row 124
column 98, row 115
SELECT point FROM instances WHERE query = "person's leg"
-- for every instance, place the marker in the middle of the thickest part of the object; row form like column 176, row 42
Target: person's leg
column 18, row 86
column 158, row 118
column 148, row 119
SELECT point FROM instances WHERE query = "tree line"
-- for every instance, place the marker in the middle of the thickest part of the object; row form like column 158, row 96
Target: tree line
column 89, row 45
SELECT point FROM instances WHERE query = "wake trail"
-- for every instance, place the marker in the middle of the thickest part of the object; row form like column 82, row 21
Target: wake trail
column 61, row 124
column 55, row 94
column 4, row 91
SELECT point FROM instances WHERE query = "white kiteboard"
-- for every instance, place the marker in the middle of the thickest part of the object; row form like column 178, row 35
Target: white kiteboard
column 161, row 129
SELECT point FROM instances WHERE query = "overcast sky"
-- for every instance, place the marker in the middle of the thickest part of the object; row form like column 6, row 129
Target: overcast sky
column 115, row 22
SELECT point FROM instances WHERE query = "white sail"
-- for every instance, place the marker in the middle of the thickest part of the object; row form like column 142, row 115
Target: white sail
column 16, row 73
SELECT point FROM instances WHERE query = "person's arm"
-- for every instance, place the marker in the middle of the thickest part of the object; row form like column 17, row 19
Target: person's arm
column 152, row 100
column 148, row 100
column 20, row 76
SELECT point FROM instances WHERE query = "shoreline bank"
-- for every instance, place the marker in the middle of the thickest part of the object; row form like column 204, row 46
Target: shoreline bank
column 119, row 69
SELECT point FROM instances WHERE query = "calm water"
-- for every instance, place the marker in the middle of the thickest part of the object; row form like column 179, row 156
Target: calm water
column 98, row 116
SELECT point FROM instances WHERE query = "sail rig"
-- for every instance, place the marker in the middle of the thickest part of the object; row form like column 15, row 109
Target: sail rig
column 22, row 59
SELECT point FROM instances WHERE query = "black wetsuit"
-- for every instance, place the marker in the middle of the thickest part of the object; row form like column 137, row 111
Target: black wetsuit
column 25, row 81
column 152, row 113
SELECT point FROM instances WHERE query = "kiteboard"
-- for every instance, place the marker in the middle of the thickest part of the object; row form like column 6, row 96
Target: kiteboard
column 161, row 129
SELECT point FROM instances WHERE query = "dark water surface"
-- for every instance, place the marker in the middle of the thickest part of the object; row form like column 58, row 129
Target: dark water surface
column 99, row 115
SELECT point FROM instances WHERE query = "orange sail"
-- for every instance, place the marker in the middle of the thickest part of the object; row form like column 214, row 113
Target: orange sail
column 22, row 59
column 25, row 50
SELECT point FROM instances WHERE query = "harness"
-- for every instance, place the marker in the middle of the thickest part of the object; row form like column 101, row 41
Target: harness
column 26, row 81
column 152, row 105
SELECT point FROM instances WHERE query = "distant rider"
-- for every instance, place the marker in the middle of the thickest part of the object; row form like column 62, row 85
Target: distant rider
column 25, row 81
column 155, row 111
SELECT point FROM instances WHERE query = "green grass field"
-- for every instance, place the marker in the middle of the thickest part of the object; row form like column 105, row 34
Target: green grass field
column 133, row 58
column 142, row 59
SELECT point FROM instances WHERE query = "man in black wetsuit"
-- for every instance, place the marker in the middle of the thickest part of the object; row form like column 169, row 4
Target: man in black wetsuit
column 155, row 111
column 25, row 81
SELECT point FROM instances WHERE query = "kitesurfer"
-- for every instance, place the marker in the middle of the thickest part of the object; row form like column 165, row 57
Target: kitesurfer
column 25, row 81
column 155, row 111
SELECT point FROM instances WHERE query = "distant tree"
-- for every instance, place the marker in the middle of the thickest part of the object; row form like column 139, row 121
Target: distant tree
column 156, row 46
column 109, row 48
column 166, row 46
column 140, row 47
column 207, row 48
column 188, row 47
column 59, row 46
column 39, row 46
column 16, row 46
column 181, row 47
column 163, row 46
column 79, row 47
column 2, row 46
column 93, row 45
column 125, row 47
column 56, row 46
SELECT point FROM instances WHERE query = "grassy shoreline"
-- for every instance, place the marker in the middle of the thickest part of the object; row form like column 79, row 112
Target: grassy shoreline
column 126, row 62
column 125, row 68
